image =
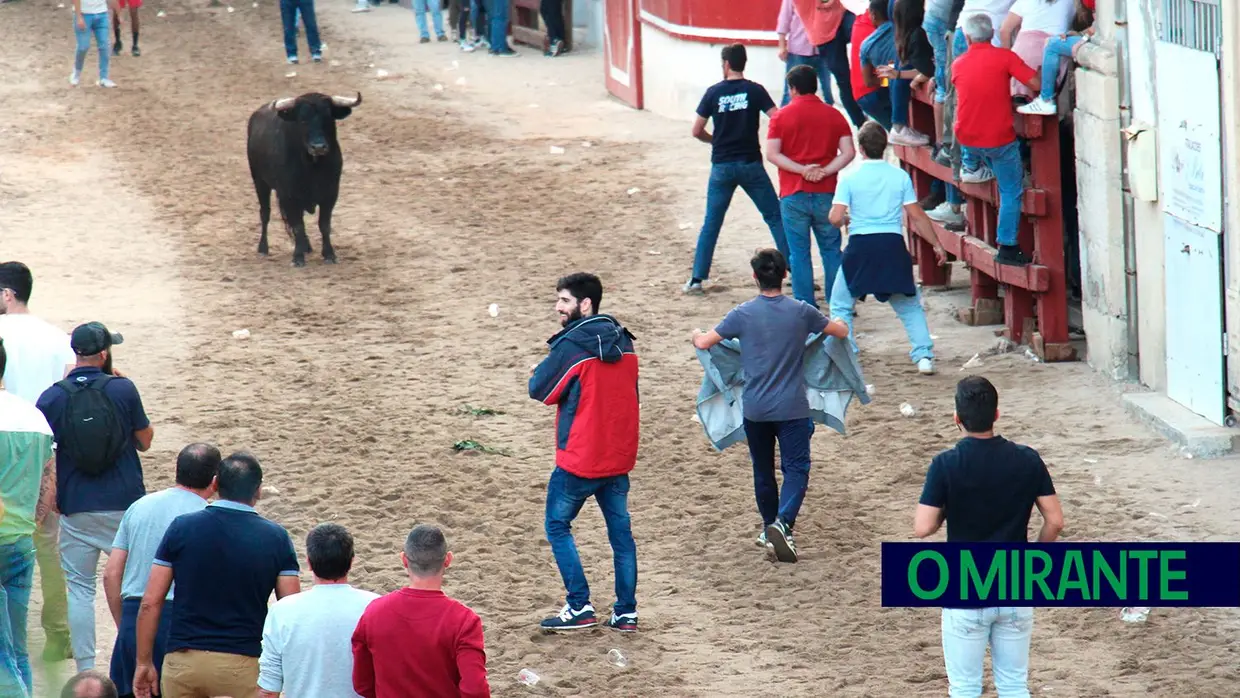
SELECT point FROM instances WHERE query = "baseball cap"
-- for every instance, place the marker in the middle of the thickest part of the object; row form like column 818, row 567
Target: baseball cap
column 92, row 338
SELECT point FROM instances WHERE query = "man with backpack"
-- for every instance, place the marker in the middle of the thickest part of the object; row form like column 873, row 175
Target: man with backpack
column 99, row 425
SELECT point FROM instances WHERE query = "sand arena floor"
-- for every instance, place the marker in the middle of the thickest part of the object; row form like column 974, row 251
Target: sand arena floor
column 135, row 207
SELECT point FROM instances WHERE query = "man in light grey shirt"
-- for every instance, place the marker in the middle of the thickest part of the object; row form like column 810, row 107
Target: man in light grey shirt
column 308, row 637
column 133, row 551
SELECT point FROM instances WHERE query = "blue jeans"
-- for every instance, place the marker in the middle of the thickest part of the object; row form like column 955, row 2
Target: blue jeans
column 1056, row 50
column 290, row 10
column 566, row 493
column 835, row 53
column 967, row 632
column 498, row 10
column 16, row 579
column 804, row 212
column 725, row 177
column 901, row 93
column 877, row 105
column 819, row 64
column 1009, row 170
column 908, row 309
column 420, row 8
column 793, row 437
column 97, row 25
column 936, row 32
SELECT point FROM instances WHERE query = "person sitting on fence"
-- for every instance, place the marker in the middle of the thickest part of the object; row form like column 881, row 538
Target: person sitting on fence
column 986, row 130
column 1057, row 48
column 1029, row 25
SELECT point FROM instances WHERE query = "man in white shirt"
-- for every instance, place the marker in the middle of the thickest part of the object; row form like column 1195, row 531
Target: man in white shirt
column 133, row 552
column 38, row 356
column 307, row 637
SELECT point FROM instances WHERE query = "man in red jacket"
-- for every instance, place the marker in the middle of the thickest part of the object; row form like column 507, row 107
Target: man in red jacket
column 416, row 642
column 591, row 377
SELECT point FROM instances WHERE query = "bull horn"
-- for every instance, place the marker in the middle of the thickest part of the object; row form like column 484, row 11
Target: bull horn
column 284, row 103
column 350, row 102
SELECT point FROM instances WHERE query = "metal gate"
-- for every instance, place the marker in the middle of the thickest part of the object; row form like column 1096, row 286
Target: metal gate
column 1191, row 157
column 622, row 51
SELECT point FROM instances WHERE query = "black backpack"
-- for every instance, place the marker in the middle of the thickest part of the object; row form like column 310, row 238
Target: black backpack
column 93, row 437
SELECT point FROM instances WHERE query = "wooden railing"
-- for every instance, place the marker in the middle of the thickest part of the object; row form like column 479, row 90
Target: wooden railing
column 1034, row 304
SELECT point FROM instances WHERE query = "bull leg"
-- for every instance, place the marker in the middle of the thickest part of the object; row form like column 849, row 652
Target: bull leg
column 325, row 230
column 301, row 245
column 264, row 213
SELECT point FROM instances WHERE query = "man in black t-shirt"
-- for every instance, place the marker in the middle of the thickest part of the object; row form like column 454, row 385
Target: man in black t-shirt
column 735, row 105
column 986, row 488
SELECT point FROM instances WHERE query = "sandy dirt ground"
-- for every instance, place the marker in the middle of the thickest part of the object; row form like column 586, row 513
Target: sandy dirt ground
column 134, row 207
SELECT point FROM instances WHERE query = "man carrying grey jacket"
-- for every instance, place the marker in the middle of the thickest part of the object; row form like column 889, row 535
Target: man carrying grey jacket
column 772, row 329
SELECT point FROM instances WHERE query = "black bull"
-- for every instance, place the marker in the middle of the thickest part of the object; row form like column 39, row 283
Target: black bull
column 293, row 150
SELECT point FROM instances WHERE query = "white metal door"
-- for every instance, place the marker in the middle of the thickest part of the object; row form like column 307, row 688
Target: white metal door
column 1190, row 158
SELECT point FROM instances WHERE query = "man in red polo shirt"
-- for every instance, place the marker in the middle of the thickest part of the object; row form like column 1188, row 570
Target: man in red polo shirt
column 416, row 642
column 985, row 126
column 810, row 142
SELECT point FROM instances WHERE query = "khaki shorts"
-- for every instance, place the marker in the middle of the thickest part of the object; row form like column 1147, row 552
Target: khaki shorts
column 198, row 674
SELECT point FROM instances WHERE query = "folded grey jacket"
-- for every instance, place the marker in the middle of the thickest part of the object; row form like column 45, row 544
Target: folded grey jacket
column 832, row 378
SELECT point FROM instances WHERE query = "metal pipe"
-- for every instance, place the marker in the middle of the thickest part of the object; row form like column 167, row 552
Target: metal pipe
column 1132, row 314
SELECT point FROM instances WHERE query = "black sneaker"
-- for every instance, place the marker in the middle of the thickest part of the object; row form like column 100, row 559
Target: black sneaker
column 779, row 536
column 506, row 53
column 625, row 622
column 135, row 51
column 932, row 201
column 442, row 37
column 424, row 40
column 117, row 48
column 557, row 47
column 943, row 157
column 1012, row 256
column 570, row 619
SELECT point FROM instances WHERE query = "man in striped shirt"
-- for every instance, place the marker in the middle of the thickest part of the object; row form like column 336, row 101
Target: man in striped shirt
column 27, row 488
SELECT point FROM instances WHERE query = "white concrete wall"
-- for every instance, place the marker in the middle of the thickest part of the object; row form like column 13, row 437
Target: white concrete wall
column 588, row 21
column 1147, row 219
column 1099, row 173
column 1230, row 79
column 676, row 72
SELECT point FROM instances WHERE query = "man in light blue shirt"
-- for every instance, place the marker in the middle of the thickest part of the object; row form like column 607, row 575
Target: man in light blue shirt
column 872, row 202
column 133, row 551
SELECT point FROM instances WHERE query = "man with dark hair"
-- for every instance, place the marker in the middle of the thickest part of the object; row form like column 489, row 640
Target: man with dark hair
column 306, row 638
column 985, row 489
column 772, row 329
column 26, row 468
column 89, row 684
column 39, row 355
column 735, row 105
column 225, row 560
column 591, row 376
column 810, row 142
column 872, row 203
column 417, row 641
column 100, row 426
column 133, row 551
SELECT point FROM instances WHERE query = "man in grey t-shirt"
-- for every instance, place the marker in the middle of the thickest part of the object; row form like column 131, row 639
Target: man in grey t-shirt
column 773, row 330
column 133, row 552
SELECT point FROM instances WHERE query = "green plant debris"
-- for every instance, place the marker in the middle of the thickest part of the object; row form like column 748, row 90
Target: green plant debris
column 480, row 411
column 471, row 445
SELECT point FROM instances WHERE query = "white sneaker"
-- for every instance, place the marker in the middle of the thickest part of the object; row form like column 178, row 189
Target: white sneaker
column 693, row 287
column 925, row 367
column 468, row 47
column 75, row 79
column 943, row 213
column 981, row 175
column 761, row 541
column 362, row 8
column 106, row 83
column 903, row 135
column 1039, row 107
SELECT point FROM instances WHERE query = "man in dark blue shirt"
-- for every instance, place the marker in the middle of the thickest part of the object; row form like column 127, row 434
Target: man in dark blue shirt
column 225, row 560
column 735, row 105
column 986, row 488
column 93, row 501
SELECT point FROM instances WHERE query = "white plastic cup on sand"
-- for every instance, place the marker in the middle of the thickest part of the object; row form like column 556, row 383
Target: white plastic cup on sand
column 527, row 677
column 617, row 658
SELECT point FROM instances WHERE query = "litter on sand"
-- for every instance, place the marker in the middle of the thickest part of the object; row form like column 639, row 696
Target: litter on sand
column 974, row 362
column 557, row 150
column 438, row 87
column 241, row 334
column 587, row 144
column 230, row 9
column 494, row 310
column 381, row 73
column 633, row 191
column 291, row 75
column 655, row 252
column 685, row 226
column 460, row 81
column 907, row 410
column 157, row 14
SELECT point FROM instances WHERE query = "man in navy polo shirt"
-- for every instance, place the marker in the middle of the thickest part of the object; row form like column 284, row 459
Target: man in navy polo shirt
column 225, row 561
column 93, row 500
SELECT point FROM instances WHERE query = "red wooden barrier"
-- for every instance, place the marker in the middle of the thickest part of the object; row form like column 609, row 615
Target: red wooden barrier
column 1034, row 306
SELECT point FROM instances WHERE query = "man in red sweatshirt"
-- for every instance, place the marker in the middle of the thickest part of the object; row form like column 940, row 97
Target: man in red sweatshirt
column 416, row 642
column 590, row 375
